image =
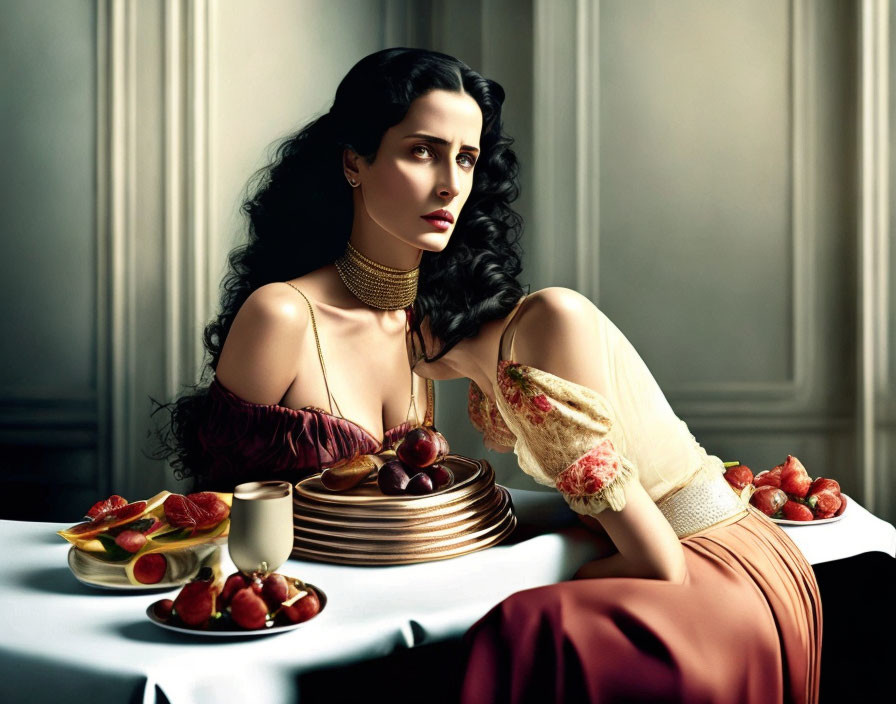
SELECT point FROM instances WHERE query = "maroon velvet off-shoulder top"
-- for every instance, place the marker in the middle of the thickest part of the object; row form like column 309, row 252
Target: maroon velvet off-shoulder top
column 245, row 441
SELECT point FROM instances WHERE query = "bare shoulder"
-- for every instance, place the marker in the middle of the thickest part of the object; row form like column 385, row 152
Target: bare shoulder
column 552, row 312
column 558, row 332
column 259, row 358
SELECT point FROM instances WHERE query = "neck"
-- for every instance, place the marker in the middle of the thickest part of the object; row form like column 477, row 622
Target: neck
column 473, row 358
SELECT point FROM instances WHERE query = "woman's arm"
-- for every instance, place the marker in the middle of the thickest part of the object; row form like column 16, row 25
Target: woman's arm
column 559, row 333
column 648, row 547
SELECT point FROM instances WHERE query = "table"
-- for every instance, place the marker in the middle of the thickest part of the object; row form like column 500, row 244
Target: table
column 61, row 640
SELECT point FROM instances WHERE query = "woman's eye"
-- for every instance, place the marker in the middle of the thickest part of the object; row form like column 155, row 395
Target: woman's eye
column 420, row 147
column 469, row 159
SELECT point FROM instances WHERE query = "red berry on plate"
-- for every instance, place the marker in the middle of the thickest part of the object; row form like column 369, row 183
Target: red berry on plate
column 196, row 603
column 304, row 609
column 162, row 609
column 274, row 591
column 795, row 479
column 768, row 499
column 824, row 497
column 739, row 476
column 795, row 511
column 232, row 585
column 248, row 609
column 770, row 477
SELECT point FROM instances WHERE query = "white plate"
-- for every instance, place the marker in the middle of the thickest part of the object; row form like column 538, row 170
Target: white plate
column 817, row 521
column 238, row 632
column 183, row 565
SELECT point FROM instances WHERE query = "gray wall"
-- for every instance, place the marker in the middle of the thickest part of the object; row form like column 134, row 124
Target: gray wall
column 691, row 166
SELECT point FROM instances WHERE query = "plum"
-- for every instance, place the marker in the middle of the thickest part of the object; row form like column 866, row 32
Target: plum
column 419, row 448
column 392, row 477
column 441, row 476
column 162, row 608
column 274, row 591
column 420, row 483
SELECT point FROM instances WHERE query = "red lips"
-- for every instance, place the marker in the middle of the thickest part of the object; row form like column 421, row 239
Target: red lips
column 439, row 215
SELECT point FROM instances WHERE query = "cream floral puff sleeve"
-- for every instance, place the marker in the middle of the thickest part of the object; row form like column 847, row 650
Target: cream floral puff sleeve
column 564, row 437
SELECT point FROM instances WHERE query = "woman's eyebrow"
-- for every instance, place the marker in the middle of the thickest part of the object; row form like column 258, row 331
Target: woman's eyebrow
column 439, row 140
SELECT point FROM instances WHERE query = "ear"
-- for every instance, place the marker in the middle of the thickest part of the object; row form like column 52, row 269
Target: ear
column 350, row 160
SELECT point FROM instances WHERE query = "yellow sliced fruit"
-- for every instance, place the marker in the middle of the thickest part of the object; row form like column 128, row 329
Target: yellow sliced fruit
column 219, row 531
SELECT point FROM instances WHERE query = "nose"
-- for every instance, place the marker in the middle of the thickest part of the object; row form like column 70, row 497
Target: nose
column 449, row 187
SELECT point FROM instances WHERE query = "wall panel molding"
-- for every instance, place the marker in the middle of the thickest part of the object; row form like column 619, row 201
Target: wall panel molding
column 873, row 328
column 567, row 102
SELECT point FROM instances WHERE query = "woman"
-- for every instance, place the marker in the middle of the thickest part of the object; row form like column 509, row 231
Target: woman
column 369, row 213
column 704, row 600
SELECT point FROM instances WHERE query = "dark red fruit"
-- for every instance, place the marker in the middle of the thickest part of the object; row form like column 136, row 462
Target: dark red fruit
column 795, row 511
column 199, row 511
column 768, row 499
column 149, row 569
column 419, row 448
column 795, row 479
column 739, row 476
column 392, row 477
column 420, row 483
column 130, row 540
column 441, row 476
column 839, row 511
column 305, row 608
column 274, row 591
column 232, row 585
column 102, row 507
column 196, row 603
column 824, row 497
column 770, row 477
column 248, row 609
column 162, row 608
column 108, row 519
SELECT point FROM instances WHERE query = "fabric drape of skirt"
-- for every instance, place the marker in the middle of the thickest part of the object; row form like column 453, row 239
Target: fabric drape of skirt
column 744, row 626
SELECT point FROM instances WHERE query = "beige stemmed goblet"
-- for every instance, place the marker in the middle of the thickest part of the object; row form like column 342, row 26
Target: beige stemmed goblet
column 261, row 530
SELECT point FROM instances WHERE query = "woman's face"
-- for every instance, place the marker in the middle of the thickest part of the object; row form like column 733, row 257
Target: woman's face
column 424, row 164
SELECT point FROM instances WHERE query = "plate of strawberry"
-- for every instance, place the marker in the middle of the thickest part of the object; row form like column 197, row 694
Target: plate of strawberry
column 787, row 494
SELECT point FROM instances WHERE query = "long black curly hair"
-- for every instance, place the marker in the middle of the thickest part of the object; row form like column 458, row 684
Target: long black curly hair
column 304, row 193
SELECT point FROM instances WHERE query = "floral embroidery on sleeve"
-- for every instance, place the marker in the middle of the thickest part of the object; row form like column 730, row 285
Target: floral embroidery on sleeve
column 593, row 471
column 520, row 393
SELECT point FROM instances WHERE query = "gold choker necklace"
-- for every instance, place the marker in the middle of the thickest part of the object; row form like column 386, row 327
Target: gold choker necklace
column 375, row 284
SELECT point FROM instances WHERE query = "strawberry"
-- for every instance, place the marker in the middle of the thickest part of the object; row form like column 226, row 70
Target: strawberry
column 795, row 479
column 842, row 508
column 195, row 604
column 824, row 497
column 770, row 477
column 768, row 499
column 795, row 511
column 739, row 476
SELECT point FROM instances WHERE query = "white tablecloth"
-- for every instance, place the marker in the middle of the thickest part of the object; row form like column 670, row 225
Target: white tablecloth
column 62, row 641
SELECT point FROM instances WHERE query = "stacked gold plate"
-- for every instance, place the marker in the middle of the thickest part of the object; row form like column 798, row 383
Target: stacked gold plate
column 365, row 527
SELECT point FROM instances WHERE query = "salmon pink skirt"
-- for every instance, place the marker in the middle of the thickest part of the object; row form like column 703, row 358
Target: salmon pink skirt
column 744, row 626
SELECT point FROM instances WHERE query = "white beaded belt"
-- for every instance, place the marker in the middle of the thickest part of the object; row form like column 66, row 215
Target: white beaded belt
column 696, row 507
